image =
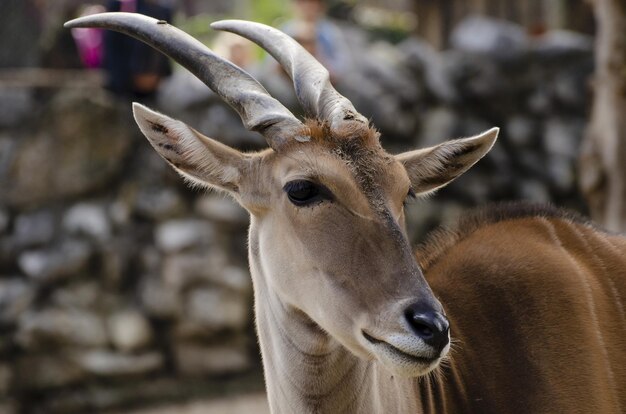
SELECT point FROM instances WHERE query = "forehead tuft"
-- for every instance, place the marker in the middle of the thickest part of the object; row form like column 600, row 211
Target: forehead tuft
column 358, row 146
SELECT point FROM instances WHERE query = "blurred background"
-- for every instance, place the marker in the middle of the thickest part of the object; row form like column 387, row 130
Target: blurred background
column 122, row 290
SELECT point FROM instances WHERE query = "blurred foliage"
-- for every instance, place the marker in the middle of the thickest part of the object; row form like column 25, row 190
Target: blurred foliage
column 272, row 12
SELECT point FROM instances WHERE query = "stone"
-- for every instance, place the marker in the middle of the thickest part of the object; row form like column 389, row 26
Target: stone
column 425, row 63
column 87, row 219
column 82, row 294
column 562, row 136
column 129, row 330
column 560, row 44
column 56, row 263
column 521, row 131
column 8, row 407
column 222, row 210
column 176, row 235
column 236, row 278
column 540, row 101
column 16, row 104
column 59, row 327
column 6, row 376
column 197, row 360
column 111, row 364
column 182, row 270
column 159, row 203
column 16, row 296
column 5, row 220
column 42, row 372
column 438, row 125
column 534, row 190
column 562, row 175
column 34, row 229
column 218, row 309
column 77, row 144
column 159, row 300
column 497, row 39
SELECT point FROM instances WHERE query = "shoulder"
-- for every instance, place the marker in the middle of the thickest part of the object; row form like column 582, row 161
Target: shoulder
column 501, row 227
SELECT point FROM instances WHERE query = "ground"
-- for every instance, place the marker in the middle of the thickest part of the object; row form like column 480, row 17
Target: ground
column 250, row 403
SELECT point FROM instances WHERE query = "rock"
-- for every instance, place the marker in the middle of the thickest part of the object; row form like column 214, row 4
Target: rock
column 218, row 309
column 56, row 263
column 562, row 136
column 5, row 219
column 83, row 294
column 182, row 91
column 5, row 380
column 220, row 122
column 572, row 88
column 110, row 364
column 425, row 63
column 177, row 235
column 561, row 170
column 159, row 300
column 57, row 327
column 221, row 209
column 116, row 260
column 534, row 190
column 498, row 39
column 159, row 203
column 89, row 220
column 560, row 44
column 16, row 104
column 474, row 77
column 8, row 407
column 182, row 270
column 129, row 330
column 76, row 145
column 236, row 278
column 197, row 360
column 34, row 229
column 42, row 372
column 16, row 296
column 540, row 101
column 521, row 131
column 438, row 125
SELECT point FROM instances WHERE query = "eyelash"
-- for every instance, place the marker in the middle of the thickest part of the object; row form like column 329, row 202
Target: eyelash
column 410, row 197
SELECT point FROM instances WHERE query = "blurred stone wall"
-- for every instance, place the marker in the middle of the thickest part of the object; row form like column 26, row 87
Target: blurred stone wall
column 120, row 285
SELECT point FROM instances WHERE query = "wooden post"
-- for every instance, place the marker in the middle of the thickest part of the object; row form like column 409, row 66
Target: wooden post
column 603, row 157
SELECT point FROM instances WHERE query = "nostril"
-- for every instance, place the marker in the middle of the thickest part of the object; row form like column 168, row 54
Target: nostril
column 431, row 326
column 421, row 326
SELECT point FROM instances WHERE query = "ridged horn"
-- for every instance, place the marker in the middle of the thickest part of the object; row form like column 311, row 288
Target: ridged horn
column 258, row 110
column 311, row 80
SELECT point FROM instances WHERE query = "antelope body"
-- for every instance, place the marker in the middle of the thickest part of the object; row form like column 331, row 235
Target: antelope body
column 346, row 319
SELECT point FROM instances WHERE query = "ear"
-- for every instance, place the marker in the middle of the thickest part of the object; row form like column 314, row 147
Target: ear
column 434, row 167
column 200, row 159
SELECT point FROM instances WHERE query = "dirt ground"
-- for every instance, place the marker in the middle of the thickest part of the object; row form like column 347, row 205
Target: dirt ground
column 248, row 404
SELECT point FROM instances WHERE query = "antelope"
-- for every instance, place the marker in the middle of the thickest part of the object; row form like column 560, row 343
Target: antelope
column 349, row 318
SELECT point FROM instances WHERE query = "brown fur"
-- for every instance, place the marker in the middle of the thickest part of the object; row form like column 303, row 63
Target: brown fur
column 535, row 300
column 440, row 240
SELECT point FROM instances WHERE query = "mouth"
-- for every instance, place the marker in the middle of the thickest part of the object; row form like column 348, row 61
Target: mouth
column 420, row 360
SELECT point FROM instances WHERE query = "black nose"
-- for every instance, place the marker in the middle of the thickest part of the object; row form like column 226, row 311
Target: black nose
column 430, row 325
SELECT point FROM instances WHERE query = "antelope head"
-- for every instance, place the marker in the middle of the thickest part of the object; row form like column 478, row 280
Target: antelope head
column 326, row 201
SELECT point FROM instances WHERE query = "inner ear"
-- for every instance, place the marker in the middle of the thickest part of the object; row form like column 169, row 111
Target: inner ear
column 432, row 168
column 200, row 159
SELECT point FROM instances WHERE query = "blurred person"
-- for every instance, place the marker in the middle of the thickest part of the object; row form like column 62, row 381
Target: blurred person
column 89, row 41
column 320, row 36
column 133, row 68
column 235, row 49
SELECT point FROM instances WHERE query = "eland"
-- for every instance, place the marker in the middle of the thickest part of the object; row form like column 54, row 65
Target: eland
column 350, row 318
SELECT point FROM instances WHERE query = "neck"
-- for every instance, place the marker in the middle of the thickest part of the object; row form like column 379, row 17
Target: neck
column 307, row 371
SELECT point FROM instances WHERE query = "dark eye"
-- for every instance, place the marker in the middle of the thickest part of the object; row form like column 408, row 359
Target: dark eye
column 304, row 193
